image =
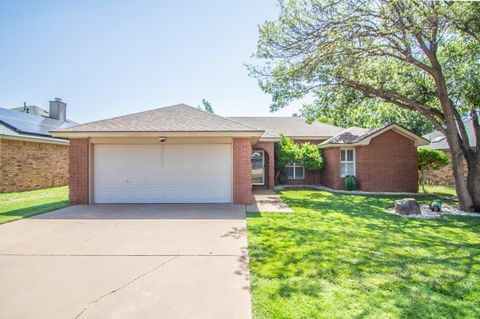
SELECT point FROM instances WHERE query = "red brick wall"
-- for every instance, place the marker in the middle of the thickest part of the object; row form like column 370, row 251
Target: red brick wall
column 78, row 170
column 269, row 149
column 389, row 163
column 331, row 172
column 242, row 171
column 30, row 165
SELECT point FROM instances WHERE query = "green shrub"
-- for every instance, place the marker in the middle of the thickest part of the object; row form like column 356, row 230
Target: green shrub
column 311, row 157
column 307, row 155
column 429, row 159
column 350, row 183
column 287, row 152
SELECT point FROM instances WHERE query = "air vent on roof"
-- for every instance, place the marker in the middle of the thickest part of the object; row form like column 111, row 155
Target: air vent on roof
column 438, row 139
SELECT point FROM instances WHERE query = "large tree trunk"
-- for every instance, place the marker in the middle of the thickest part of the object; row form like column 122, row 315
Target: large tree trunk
column 473, row 181
column 459, row 148
column 458, row 155
column 464, row 197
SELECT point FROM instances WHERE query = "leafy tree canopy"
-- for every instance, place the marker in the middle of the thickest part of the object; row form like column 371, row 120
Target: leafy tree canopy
column 345, row 108
column 420, row 56
column 206, row 106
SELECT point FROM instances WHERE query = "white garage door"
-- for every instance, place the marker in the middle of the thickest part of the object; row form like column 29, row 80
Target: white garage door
column 164, row 173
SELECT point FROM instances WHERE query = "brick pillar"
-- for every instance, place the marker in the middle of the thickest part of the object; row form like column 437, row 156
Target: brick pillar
column 78, row 170
column 242, row 171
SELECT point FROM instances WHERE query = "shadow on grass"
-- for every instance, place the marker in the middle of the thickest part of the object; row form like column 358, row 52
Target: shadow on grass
column 31, row 211
column 420, row 268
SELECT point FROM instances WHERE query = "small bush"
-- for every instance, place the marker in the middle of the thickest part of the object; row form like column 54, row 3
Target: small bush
column 311, row 157
column 429, row 159
column 350, row 183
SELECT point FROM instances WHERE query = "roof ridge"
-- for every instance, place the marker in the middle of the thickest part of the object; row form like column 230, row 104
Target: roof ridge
column 130, row 114
column 224, row 118
column 168, row 107
column 286, row 117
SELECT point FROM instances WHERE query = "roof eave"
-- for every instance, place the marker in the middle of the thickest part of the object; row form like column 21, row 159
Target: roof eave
column 35, row 139
column 304, row 137
column 270, row 139
column 336, row 145
column 85, row 134
column 419, row 141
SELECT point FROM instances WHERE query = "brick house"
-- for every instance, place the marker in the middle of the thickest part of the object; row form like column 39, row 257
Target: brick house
column 180, row 154
column 30, row 158
column 444, row 176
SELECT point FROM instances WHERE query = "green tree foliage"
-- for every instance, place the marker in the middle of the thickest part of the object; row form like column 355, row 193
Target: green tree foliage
column 429, row 159
column 346, row 107
column 361, row 59
column 307, row 155
column 286, row 152
column 206, row 106
column 311, row 157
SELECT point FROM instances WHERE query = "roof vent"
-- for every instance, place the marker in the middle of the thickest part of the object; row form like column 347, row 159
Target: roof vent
column 438, row 139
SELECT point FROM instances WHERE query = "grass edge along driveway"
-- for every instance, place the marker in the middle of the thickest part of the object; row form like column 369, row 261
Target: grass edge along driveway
column 342, row 256
column 14, row 206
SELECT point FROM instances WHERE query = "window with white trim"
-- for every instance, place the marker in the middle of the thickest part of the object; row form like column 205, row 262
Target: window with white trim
column 347, row 162
column 295, row 171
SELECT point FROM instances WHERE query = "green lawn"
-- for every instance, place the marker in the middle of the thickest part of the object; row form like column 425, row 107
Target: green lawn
column 15, row 206
column 342, row 256
column 441, row 190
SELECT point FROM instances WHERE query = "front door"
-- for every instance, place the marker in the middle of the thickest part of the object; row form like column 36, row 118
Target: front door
column 258, row 171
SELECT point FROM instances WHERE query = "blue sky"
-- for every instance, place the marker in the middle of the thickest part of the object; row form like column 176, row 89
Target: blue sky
column 107, row 58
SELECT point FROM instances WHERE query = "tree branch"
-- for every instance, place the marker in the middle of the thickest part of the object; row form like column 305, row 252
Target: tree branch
column 462, row 136
column 402, row 101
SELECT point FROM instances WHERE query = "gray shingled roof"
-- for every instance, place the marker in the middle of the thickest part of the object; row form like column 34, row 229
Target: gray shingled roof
column 355, row 134
column 293, row 126
column 439, row 142
column 351, row 135
column 175, row 118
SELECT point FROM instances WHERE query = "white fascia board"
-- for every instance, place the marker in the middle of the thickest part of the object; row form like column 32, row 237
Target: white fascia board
column 34, row 139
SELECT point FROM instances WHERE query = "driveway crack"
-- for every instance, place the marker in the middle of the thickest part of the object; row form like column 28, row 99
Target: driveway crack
column 93, row 302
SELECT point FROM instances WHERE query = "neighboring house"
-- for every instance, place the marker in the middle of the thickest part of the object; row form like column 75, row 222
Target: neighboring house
column 438, row 141
column 180, row 154
column 30, row 158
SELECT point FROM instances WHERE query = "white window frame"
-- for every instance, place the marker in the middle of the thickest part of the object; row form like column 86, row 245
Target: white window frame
column 295, row 165
column 347, row 161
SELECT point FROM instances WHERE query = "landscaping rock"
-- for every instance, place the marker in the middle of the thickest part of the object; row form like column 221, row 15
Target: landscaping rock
column 407, row 206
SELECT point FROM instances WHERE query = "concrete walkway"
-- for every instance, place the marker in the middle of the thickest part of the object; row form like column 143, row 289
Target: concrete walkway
column 126, row 261
column 267, row 200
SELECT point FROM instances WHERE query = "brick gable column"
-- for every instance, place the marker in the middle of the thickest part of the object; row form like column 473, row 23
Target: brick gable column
column 78, row 170
column 242, row 171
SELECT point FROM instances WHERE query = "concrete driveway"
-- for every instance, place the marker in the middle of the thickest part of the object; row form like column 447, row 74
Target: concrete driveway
column 126, row 261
